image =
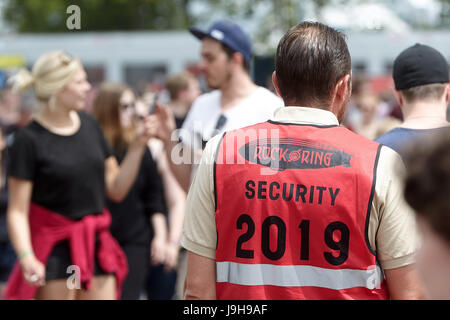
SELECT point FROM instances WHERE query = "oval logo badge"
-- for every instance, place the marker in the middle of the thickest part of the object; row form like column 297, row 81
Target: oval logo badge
column 284, row 154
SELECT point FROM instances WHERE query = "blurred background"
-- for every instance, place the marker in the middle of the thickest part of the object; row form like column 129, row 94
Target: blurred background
column 142, row 43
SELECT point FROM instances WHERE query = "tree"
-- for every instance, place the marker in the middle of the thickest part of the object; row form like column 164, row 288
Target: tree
column 110, row 15
column 98, row 15
column 272, row 17
column 35, row 16
column 445, row 13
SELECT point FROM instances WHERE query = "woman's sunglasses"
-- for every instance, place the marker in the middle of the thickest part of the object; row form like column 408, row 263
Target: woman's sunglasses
column 127, row 106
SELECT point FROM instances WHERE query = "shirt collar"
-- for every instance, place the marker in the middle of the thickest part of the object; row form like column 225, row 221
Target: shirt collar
column 303, row 115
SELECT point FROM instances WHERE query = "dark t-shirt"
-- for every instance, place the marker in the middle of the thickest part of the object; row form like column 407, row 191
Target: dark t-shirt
column 68, row 172
column 131, row 217
column 179, row 122
column 398, row 139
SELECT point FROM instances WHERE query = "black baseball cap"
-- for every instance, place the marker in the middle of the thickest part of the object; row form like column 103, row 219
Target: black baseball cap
column 420, row 65
column 228, row 33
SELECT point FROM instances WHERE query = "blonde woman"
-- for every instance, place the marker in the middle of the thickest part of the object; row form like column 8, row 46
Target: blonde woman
column 138, row 222
column 60, row 169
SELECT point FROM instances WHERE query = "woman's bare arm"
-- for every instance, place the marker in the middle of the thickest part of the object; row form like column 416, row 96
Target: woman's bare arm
column 19, row 230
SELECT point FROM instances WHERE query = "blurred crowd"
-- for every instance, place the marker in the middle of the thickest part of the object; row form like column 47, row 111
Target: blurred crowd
column 152, row 242
column 371, row 113
column 159, row 279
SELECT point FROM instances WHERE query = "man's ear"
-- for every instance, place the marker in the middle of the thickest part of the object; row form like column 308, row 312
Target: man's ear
column 238, row 59
column 447, row 93
column 399, row 97
column 343, row 89
column 341, row 94
column 275, row 83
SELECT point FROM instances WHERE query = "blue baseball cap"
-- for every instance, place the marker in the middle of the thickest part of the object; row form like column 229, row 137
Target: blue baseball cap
column 229, row 34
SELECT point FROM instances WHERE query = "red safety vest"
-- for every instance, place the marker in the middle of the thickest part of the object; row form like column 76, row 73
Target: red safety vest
column 292, row 214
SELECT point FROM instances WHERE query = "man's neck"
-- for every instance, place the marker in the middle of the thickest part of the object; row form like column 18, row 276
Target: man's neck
column 424, row 115
column 237, row 89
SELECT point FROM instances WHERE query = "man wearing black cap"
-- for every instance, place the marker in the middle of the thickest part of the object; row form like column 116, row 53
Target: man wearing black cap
column 235, row 101
column 421, row 77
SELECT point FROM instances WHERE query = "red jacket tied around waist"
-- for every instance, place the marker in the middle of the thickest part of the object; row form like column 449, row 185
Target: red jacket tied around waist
column 47, row 228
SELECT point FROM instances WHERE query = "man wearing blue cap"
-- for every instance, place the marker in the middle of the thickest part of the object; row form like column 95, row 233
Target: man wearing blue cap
column 235, row 101
column 421, row 77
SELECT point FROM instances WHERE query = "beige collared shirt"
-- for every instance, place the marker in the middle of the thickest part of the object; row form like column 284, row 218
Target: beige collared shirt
column 392, row 226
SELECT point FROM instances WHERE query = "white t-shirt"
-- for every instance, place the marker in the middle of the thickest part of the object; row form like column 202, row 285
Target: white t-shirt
column 202, row 118
column 206, row 110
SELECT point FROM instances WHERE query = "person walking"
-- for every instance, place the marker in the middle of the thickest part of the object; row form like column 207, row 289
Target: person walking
column 234, row 102
column 60, row 170
column 421, row 77
column 164, row 281
column 138, row 221
column 183, row 89
column 298, row 207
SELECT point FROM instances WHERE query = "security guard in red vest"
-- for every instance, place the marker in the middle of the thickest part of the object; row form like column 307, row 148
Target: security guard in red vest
column 299, row 207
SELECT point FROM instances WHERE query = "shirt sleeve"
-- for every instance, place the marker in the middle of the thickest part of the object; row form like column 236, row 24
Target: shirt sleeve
column 106, row 149
column 104, row 145
column 392, row 229
column 22, row 156
column 199, row 229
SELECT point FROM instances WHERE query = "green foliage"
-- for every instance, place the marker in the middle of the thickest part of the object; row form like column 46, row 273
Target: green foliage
column 110, row 15
column 445, row 13
column 98, row 15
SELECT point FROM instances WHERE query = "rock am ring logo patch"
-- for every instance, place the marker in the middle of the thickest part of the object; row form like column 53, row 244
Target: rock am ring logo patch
column 290, row 153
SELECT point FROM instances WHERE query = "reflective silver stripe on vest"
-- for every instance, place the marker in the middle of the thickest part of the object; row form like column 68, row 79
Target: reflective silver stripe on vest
column 297, row 276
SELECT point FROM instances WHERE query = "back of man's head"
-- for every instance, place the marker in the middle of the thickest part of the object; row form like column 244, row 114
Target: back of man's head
column 178, row 83
column 311, row 58
column 421, row 73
